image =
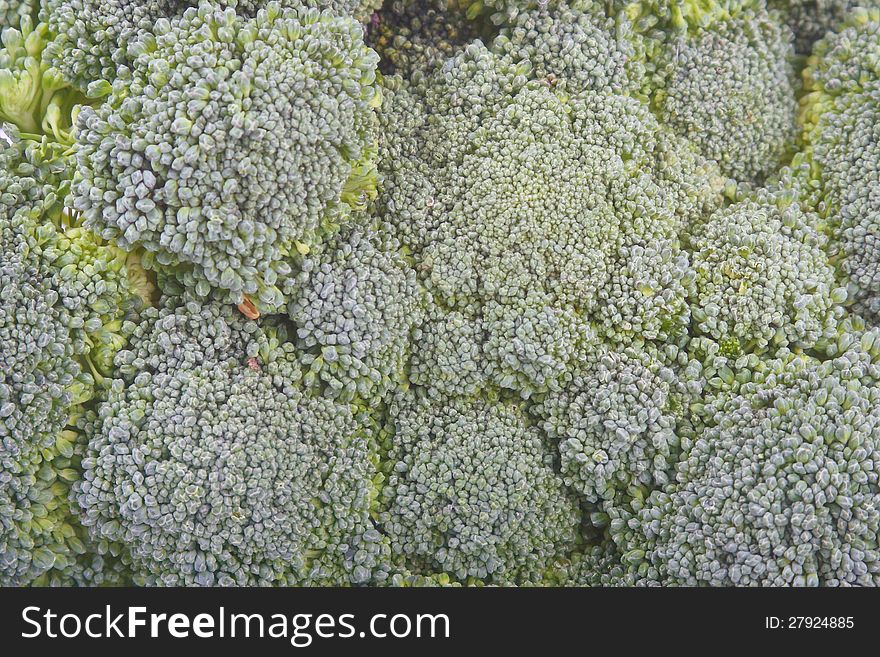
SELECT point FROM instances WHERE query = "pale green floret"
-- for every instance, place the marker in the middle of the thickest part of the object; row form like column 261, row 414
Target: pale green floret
column 841, row 115
column 617, row 421
column 33, row 97
column 355, row 306
column 779, row 486
column 61, row 321
column 577, row 50
column 531, row 346
column 810, row 20
column 646, row 295
column 763, row 281
column 472, row 490
column 93, row 37
column 725, row 79
column 234, row 146
column 12, row 11
column 447, row 354
column 533, row 214
column 212, row 465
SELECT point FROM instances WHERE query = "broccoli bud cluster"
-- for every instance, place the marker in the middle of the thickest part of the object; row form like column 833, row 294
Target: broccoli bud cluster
column 722, row 75
column 471, row 489
column 355, row 306
column 535, row 213
column 161, row 164
column 777, row 487
column 65, row 303
column 213, row 465
column 840, row 116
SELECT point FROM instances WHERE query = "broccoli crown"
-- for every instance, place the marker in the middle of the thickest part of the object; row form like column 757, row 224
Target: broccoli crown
column 532, row 212
column 213, row 464
column 93, row 37
column 763, row 280
column 575, row 49
column 617, row 421
column 723, row 76
column 33, row 97
column 355, row 306
column 65, row 301
column 471, row 489
column 778, row 486
column 810, row 20
column 840, row 115
column 234, row 145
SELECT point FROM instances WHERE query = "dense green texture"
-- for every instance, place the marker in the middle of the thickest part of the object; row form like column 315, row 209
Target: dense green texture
column 440, row 293
column 160, row 163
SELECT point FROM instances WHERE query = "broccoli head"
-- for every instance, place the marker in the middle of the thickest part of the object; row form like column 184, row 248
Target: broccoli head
column 840, row 115
column 355, row 305
column 66, row 302
column 235, row 146
column 810, row 20
column 763, row 280
column 778, row 485
column 93, row 38
column 618, row 422
column 535, row 215
column 471, row 490
column 722, row 74
column 213, row 464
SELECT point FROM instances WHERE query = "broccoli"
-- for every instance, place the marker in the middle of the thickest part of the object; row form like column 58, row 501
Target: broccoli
column 578, row 221
column 415, row 35
column 94, row 38
column 778, row 486
column 230, row 166
column 471, row 490
column 722, row 75
column 213, row 464
column 66, row 302
column 763, row 280
column 617, row 423
column 355, row 305
column 12, row 11
column 812, row 19
column 566, row 293
column 33, row 97
column 842, row 160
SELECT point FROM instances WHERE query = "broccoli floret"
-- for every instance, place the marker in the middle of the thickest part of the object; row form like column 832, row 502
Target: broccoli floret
column 810, row 20
column 575, row 49
column 763, row 281
column 840, row 115
column 65, row 301
column 12, row 11
column 471, row 489
column 447, row 354
column 234, row 146
column 95, row 40
column 213, row 465
column 722, row 75
column 617, row 422
column 532, row 212
column 355, row 306
column 33, row 97
column 778, row 487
